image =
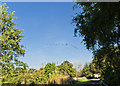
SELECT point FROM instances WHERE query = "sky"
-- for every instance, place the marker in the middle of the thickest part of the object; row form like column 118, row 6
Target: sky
column 49, row 33
column 39, row 0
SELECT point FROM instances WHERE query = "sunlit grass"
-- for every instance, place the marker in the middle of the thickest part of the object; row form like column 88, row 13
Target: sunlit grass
column 84, row 81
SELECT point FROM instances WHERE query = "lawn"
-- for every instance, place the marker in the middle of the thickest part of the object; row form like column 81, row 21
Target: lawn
column 84, row 81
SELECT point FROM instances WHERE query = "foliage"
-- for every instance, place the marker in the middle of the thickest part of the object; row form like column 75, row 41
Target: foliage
column 66, row 68
column 86, row 71
column 10, row 37
column 57, row 78
column 99, row 25
column 93, row 67
column 11, row 48
column 31, row 70
column 50, row 74
column 49, row 68
column 95, row 28
column 109, row 65
column 90, row 69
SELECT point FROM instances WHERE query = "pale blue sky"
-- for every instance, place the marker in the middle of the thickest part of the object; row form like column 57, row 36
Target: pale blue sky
column 48, row 33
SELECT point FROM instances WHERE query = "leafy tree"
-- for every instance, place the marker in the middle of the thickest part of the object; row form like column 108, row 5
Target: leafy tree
column 90, row 69
column 10, row 38
column 49, row 68
column 11, row 48
column 99, row 25
column 86, row 71
column 31, row 70
column 66, row 68
column 94, row 68
column 108, row 61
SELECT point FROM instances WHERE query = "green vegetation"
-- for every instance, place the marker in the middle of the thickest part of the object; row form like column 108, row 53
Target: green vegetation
column 89, row 70
column 84, row 81
column 99, row 25
column 49, row 68
column 67, row 69
column 15, row 71
column 10, row 39
column 86, row 71
column 51, row 74
column 11, row 48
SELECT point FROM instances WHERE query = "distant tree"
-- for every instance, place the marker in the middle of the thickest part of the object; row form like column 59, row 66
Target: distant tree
column 41, row 68
column 31, row 70
column 49, row 68
column 86, row 71
column 94, row 68
column 66, row 68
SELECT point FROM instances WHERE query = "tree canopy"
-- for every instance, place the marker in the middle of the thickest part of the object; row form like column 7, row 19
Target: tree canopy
column 66, row 68
column 99, row 26
column 10, row 38
column 90, row 69
column 49, row 68
column 11, row 47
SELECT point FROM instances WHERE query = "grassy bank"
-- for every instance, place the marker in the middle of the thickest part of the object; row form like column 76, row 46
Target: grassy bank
column 83, row 82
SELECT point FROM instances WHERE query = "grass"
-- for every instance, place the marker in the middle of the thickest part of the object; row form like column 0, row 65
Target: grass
column 84, row 81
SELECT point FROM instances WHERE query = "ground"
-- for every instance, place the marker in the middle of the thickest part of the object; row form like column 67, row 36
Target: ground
column 87, row 82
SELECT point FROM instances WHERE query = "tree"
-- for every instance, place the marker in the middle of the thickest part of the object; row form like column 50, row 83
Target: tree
column 94, row 68
column 108, row 61
column 31, row 70
column 49, row 68
column 86, row 71
column 99, row 25
column 10, row 38
column 66, row 68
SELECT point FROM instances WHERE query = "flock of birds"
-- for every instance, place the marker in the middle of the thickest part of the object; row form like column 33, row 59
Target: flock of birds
column 62, row 45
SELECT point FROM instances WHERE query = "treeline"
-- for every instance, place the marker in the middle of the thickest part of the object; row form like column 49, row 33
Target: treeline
column 50, row 74
column 89, row 70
